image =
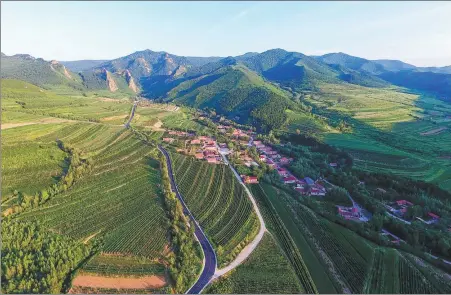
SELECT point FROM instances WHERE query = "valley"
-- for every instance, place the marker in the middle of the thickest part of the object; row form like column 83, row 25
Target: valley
column 91, row 156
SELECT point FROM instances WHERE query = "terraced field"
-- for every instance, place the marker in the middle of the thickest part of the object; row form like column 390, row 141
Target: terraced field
column 218, row 202
column 119, row 200
column 385, row 123
column 266, row 271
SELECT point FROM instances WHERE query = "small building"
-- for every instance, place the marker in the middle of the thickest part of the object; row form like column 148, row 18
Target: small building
column 282, row 172
column 333, row 164
column 262, row 158
column 257, row 142
column 199, row 156
column 289, row 179
column 309, row 181
column 434, row 216
column 250, row 179
column 270, row 163
column 284, row 161
column 314, row 191
column 195, row 141
column 404, row 203
column 168, row 139
column 212, row 160
column 301, row 190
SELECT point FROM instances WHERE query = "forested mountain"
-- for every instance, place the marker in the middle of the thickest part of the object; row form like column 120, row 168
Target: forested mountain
column 160, row 74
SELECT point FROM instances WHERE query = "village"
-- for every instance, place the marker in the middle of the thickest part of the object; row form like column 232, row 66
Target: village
column 239, row 141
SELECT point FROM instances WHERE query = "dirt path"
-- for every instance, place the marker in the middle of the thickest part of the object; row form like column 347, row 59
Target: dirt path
column 146, row 282
column 42, row 121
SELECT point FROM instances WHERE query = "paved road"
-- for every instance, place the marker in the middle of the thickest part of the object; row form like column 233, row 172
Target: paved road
column 132, row 114
column 210, row 262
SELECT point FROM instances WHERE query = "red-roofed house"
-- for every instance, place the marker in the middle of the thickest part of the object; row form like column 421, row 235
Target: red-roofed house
column 314, row 191
column 289, row 179
column 301, row 190
column 282, row 172
column 433, row 215
column 404, row 203
column 199, row 156
column 270, row 163
column 250, row 179
column 262, row 158
column 195, row 141
column 257, row 142
column 212, row 160
column 284, row 161
column 168, row 139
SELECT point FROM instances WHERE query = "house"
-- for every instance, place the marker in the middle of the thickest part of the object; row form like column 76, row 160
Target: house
column 168, row 139
column 212, row 160
column 270, row 163
column 314, row 191
column 300, row 182
column 199, row 156
column 348, row 213
column 434, row 217
column 260, row 146
column 333, row 164
column 289, row 179
column 195, row 141
column 284, row 161
column 282, row 172
column 262, row 158
column 309, row 181
column 404, row 203
column 257, row 142
column 302, row 190
column 250, row 179
column 272, row 153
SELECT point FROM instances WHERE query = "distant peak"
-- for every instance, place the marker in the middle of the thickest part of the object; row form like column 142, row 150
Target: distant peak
column 24, row 56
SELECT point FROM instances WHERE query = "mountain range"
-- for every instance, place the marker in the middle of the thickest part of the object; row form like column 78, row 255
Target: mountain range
column 253, row 85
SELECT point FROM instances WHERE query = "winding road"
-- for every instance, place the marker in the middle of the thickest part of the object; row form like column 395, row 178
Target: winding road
column 210, row 262
column 246, row 252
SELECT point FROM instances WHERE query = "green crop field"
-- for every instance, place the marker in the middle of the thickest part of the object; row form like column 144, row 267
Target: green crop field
column 118, row 200
column 109, row 265
column 384, row 123
column 266, row 271
column 218, row 202
column 351, row 263
column 308, row 271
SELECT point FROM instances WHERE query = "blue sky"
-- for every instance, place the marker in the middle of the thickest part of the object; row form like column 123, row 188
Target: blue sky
column 415, row 32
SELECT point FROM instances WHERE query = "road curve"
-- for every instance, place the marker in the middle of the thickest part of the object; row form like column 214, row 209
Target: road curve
column 210, row 261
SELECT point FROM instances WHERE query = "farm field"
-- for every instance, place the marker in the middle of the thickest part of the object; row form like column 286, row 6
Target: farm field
column 266, row 271
column 308, row 270
column 29, row 100
column 387, row 123
column 219, row 204
column 353, row 263
column 117, row 204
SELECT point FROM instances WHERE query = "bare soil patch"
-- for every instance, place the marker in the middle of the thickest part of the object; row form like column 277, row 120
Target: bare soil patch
column 43, row 121
column 434, row 131
column 90, row 237
column 119, row 282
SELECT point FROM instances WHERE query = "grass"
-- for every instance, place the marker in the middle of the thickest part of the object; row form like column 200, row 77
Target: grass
column 219, row 203
column 266, row 271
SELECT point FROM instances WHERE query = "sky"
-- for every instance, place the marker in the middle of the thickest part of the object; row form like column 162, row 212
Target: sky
column 415, row 32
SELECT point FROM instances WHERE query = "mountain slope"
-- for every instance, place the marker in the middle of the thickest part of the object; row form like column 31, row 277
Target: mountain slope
column 235, row 91
column 38, row 71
